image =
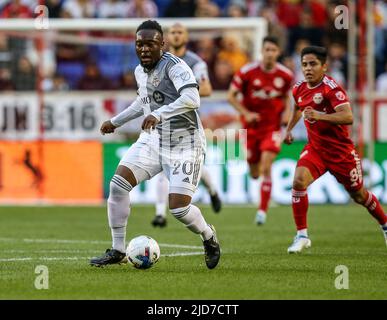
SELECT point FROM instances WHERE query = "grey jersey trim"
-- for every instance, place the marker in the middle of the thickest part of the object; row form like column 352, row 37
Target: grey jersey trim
column 189, row 85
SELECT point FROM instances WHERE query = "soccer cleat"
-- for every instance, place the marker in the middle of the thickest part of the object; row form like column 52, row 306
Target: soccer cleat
column 211, row 250
column 159, row 221
column 299, row 243
column 260, row 217
column 216, row 203
column 111, row 256
column 384, row 230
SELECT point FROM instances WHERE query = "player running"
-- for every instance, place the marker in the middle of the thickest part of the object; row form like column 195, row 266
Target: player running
column 265, row 106
column 172, row 141
column 178, row 40
column 327, row 114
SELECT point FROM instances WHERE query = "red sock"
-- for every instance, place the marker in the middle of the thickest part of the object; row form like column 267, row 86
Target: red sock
column 265, row 194
column 300, row 205
column 375, row 209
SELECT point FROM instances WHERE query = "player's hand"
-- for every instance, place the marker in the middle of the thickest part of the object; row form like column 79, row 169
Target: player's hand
column 107, row 127
column 288, row 138
column 149, row 122
column 311, row 114
column 251, row 116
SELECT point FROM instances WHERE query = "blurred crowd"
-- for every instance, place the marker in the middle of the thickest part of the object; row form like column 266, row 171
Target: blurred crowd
column 105, row 61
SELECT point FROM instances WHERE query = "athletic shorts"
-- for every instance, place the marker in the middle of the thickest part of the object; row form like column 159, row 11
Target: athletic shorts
column 347, row 171
column 257, row 144
column 181, row 164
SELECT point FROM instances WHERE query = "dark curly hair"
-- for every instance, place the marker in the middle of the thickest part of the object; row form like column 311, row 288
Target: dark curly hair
column 150, row 25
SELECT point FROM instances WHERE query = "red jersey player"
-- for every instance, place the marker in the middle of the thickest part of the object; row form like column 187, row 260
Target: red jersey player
column 327, row 112
column 264, row 87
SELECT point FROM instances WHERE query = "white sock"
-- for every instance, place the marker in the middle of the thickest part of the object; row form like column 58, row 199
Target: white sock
column 207, row 181
column 118, row 210
column 193, row 220
column 302, row 232
column 118, row 236
column 162, row 195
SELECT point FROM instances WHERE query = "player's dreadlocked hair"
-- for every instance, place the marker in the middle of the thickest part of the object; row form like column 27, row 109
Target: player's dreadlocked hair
column 150, row 25
column 319, row 52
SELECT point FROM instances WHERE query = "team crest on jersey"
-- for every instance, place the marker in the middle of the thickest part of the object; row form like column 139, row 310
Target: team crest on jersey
column 318, row 98
column 155, row 81
column 158, row 96
column 340, row 95
column 185, row 76
column 279, row 82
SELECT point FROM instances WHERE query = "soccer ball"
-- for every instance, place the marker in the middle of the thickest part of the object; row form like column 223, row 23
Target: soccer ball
column 143, row 252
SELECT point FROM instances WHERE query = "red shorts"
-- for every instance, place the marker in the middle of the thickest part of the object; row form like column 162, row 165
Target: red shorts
column 348, row 171
column 256, row 144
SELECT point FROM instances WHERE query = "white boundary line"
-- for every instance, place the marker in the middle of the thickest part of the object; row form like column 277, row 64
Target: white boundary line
column 166, row 245
column 177, row 254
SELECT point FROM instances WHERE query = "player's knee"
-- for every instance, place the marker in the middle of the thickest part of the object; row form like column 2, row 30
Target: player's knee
column 300, row 183
column 265, row 171
column 119, row 187
column 359, row 197
column 178, row 201
column 254, row 174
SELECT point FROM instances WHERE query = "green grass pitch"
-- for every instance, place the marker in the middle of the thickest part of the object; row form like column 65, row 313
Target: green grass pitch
column 254, row 263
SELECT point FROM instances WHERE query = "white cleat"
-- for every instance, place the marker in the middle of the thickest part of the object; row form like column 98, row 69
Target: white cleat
column 260, row 217
column 300, row 243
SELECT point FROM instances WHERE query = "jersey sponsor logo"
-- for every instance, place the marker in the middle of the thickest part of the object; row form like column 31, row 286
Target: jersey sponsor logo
column 279, row 82
column 299, row 100
column 340, row 95
column 318, row 98
column 158, row 97
column 263, row 94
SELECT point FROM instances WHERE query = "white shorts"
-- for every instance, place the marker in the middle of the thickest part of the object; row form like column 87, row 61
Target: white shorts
column 181, row 164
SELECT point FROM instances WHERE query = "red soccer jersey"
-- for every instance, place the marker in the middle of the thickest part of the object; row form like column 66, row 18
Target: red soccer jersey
column 332, row 141
column 263, row 92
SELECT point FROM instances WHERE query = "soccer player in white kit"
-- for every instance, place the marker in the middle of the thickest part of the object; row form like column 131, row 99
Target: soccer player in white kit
column 178, row 40
column 172, row 141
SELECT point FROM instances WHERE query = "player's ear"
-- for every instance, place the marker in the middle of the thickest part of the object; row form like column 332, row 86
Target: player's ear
column 325, row 67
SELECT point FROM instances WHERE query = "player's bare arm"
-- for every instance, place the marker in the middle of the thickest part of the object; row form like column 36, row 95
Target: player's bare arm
column 294, row 118
column 107, row 127
column 205, row 88
column 232, row 97
column 343, row 115
column 286, row 113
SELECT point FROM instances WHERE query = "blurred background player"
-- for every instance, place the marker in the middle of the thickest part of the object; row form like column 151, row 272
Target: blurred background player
column 265, row 106
column 178, row 40
column 327, row 114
